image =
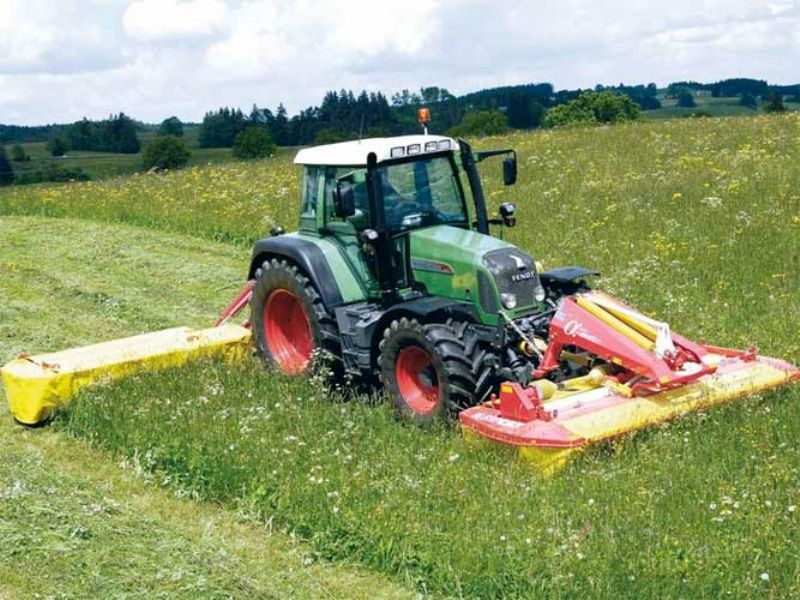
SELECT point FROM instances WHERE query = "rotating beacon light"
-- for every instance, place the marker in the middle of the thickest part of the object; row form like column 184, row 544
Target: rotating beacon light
column 424, row 117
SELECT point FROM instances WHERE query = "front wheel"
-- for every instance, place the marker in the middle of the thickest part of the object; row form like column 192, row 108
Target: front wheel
column 289, row 321
column 431, row 370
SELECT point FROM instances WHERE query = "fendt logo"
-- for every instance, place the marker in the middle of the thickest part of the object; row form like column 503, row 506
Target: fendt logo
column 517, row 277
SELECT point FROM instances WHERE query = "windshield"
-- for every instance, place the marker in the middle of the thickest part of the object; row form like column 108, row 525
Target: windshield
column 422, row 193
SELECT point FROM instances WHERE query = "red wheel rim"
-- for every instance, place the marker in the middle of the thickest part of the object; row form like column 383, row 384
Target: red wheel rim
column 288, row 332
column 416, row 380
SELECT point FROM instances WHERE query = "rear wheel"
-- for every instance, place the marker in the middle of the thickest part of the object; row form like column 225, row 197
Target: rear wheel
column 290, row 322
column 432, row 370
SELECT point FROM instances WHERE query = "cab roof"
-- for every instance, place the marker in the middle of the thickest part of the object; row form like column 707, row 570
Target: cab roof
column 354, row 154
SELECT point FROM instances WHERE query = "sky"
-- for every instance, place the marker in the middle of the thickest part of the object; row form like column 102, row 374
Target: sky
column 61, row 60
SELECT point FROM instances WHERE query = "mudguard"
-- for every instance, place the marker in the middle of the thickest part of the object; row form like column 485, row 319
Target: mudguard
column 321, row 261
column 421, row 309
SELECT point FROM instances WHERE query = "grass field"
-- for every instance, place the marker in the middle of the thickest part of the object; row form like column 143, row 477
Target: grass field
column 697, row 221
column 104, row 165
column 73, row 524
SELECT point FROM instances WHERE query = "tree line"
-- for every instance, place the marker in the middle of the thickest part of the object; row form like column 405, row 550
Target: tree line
column 116, row 134
column 344, row 115
column 737, row 86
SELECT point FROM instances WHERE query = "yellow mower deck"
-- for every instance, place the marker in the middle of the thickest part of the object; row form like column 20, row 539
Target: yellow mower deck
column 37, row 385
column 583, row 413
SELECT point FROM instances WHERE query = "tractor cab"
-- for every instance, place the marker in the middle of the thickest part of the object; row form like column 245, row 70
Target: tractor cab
column 422, row 181
column 407, row 212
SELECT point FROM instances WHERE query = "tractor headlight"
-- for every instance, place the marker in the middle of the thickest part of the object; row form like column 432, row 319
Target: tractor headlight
column 539, row 294
column 508, row 300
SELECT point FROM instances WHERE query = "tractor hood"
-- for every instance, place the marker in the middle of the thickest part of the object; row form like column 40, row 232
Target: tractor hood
column 469, row 266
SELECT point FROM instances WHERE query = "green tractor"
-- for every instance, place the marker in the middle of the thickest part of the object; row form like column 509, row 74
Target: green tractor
column 395, row 275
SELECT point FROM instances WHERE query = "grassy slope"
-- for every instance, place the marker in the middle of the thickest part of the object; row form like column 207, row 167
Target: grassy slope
column 74, row 525
column 715, row 107
column 696, row 221
column 232, row 202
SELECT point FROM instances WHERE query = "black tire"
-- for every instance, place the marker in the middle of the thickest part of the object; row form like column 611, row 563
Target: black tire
column 279, row 274
column 457, row 366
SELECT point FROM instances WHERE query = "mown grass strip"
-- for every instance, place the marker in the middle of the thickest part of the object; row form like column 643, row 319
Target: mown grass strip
column 72, row 523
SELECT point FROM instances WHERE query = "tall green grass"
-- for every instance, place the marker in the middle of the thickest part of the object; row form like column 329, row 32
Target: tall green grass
column 700, row 508
column 235, row 202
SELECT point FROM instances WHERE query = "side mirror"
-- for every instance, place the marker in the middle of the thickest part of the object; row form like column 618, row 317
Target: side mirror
column 507, row 211
column 510, row 170
column 344, row 200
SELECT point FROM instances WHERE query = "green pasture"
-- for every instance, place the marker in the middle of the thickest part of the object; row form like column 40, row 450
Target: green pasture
column 696, row 221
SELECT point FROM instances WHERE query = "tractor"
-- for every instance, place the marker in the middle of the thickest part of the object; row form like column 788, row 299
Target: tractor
column 394, row 273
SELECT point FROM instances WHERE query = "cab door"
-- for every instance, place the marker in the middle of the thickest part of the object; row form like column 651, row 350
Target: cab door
column 345, row 232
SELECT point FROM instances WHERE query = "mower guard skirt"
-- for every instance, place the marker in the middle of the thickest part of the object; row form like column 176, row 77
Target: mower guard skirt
column 578, row 417
column 37, row 385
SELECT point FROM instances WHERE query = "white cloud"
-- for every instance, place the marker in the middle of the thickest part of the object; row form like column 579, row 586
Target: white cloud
column 154, row 58
column 72, row 36
column 759, row 34
column 781, row 7
column 265, row 37
column 23, row 39
column 170, row 20
column 373, row 27
column 257, row 42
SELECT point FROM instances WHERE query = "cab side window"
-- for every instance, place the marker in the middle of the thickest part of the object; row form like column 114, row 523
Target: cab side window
column 310, row 191
column 361, row 218
column 330, row 185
